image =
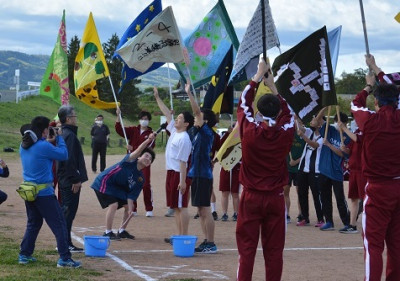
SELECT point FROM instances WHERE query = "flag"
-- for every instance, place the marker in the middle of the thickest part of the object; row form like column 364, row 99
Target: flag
column 334, row 45
column 55, row 80
column 159, row 41
column 152, row 10
column 207, row 46
column 219, row 96
column 230, row 152
column 89, row 95
column 304, row 75
column 251, row 46
column 397, row 17
column 90, row 63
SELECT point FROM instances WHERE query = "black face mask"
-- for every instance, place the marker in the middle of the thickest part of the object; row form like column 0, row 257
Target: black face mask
column 313, row 129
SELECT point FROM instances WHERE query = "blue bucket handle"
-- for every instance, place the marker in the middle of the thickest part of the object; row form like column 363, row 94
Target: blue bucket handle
column 108, row 241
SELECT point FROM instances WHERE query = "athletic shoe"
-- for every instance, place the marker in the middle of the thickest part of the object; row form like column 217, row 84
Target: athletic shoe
column 149, row 214
column 303, row 223
column 74, row 249
column 349, row 229
column 288, row 220
column 200, row 248
column 168, row 241
column 319, row 224
column 234, row 217
column 68, row 263
column 215, row 215
column 209, row 248
column 196, row 216
column 327, row 226
column 22, row 259
column 112, row 236
column 125, row 234
column 134, row 214
column 300, row 217
column 170, row 213
column 224, row 217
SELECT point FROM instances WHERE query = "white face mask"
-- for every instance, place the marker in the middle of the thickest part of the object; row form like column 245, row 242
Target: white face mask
column 216, row 125
column 144, row 123
column 336, row 126
column 99, row 122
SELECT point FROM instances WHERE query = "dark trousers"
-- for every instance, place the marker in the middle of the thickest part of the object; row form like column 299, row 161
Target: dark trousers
column 3, row 196
column 305, row 181
column 102, row 149
column 326, row 185
column 48, row 208
column 146, row 191
column 69, row 205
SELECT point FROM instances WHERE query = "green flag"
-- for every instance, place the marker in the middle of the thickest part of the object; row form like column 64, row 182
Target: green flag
column 305, row 77
column 55, row 80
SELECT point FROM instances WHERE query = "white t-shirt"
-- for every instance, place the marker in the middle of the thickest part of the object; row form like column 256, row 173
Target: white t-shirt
column 178, row 148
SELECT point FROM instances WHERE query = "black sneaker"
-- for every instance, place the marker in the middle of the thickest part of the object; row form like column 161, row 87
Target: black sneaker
column 349, row 229
column 196, row 216
column 201, row 247
column 125, row 234
column 224, row 217
column 112, row 236
column 74, row 249
column 215, row 215
column 234, row 217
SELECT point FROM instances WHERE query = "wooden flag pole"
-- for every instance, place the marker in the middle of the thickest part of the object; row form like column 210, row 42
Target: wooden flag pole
column 327, row 122
column 120, row 117
column 338, row 118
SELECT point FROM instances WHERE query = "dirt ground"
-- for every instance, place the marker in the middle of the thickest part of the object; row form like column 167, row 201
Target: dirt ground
column 310, row 254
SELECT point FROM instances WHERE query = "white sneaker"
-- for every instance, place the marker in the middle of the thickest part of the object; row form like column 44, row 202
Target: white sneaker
column 149, row 213
column 134, row 214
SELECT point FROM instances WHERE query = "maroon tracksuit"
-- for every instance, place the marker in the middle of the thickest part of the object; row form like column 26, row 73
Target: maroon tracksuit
column 135, row 138
column 263, row 174
column 381, row 166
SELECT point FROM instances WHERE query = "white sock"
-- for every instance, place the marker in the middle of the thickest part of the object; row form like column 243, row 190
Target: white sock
column 213, row 208
column 121, row 230
column 108, row 231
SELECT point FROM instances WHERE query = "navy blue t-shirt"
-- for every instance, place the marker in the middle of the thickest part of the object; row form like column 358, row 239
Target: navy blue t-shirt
column 202, row 141
column 122, row 180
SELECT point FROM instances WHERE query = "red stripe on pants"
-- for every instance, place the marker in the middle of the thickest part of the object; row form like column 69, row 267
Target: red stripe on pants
column 258, row 211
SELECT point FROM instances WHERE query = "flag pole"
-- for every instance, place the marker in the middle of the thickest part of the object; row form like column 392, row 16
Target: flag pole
column 120, row 117
column 338, row 118
column 327, row 122
column 263, row 30
column 170, row 90
column 364, row 27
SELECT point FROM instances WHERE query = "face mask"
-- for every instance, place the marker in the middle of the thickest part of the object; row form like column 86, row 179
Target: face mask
column 144, row 123
column 99, row 122
column 216, row 125
column 313, row 129
column 336, row 126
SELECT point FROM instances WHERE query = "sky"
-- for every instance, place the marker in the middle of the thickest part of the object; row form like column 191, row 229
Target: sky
column 31, row 26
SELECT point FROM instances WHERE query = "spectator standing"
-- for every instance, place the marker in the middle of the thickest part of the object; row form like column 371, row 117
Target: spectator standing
column 100, row 136
column 71, row 173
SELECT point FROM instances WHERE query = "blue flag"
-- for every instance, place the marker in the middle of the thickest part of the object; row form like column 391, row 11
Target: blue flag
column 151, row 11
column 334, row 45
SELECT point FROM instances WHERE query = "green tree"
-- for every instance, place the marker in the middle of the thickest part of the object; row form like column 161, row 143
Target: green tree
column 73, row 48
column 351, row 83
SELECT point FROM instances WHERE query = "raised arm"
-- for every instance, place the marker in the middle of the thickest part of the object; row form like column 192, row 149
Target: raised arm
column 344, row 128
column 135, row 154
column 164, row 109
column 195, row 107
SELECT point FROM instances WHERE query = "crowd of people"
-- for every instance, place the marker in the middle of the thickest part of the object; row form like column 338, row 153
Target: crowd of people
column 278, row 151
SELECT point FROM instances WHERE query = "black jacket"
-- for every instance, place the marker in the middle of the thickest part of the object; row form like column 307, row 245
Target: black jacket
column 72, row 170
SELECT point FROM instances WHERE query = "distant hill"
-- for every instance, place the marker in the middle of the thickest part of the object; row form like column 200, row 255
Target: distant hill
column 32, row 68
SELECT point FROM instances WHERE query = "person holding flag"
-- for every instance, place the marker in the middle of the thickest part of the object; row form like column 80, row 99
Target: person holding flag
column 265, row 145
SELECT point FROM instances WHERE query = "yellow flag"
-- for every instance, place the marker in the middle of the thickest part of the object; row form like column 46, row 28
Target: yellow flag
column 89, row 95
column 397, row 17
column 90, row 63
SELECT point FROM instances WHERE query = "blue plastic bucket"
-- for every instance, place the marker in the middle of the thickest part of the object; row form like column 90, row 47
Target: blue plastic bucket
column 96, row 246
column 183, row 245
